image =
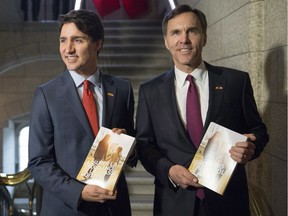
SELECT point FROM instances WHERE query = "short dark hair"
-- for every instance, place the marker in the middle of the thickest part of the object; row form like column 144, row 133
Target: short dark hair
column 86, row 21
column 183, row 9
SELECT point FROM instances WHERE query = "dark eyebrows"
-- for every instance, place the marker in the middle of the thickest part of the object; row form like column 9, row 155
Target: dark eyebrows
column 189, row 29
column 74, row 37
column 79, row 37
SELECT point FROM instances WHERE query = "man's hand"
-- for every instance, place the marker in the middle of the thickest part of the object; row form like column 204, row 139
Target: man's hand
column 119, row 130
column 93, row 193
column 182, row 177
column 242, row 152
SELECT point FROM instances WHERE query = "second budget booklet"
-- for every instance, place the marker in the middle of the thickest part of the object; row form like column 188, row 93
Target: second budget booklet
column 106, row 158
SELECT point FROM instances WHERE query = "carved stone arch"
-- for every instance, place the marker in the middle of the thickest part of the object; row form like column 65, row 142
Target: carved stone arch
column 18, row 80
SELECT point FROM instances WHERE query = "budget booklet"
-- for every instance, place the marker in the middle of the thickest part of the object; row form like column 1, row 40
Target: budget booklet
column 212, row 164
column 106, row 158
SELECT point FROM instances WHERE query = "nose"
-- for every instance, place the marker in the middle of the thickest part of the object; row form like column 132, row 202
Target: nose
column 69, row 47
column 185, row 38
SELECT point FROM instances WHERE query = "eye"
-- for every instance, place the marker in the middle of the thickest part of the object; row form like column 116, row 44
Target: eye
column 175, row 32
column 62, row 40
column 78, row 40
column 193, row 30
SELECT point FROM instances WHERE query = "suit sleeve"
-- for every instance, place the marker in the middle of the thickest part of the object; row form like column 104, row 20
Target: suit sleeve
column 42, row 162
column 132, row 161
column 253, row 119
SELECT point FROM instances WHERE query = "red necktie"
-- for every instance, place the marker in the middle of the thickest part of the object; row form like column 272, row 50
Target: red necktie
column 194, row 119
column 90, row 107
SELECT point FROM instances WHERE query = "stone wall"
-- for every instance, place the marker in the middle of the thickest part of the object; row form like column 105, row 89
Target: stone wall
column 252, row 36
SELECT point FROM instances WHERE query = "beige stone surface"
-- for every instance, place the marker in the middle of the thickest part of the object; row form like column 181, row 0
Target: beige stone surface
column 44, row 69
column 266, row 176
column 31, row 49
column 214, row 46
column 235, row 34
column 11, row 38
column 256, row 26
column 275, row 115
column 49, row 48
column 6, row 57
column 239, row 62
column 275, row 23
column 217, row 10
column 275, row 75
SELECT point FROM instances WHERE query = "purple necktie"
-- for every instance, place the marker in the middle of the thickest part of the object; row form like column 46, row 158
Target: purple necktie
column 193, row 113
column 194, row 119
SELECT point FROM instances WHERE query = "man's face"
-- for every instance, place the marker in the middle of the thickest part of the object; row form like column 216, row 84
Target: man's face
column 78, row 51
column 185, row 40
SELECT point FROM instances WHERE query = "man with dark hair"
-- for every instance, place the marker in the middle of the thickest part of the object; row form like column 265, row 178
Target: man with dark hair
column 61, row 133
column 169, row 131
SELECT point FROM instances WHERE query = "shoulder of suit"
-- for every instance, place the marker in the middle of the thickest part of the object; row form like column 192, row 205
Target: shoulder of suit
column 224, row 70
column 64, row 77
column 108, row 78
column 159, row 78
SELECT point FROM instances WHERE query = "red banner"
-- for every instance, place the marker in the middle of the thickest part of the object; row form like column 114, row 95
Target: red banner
column 105, row 7
column 135, row 8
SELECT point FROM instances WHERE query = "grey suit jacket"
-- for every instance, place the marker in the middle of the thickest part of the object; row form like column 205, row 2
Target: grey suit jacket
column 162, row 140
column 60, row 137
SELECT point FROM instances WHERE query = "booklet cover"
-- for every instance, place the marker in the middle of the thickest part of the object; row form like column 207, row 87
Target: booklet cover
column 212, row 164
column 106, row 158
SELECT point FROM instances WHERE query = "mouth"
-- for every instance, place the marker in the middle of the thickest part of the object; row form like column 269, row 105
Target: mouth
column 71, row 59
column 184, row 49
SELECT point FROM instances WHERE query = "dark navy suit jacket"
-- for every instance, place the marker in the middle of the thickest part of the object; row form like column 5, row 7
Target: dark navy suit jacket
column 60, row 137
column 162, row 140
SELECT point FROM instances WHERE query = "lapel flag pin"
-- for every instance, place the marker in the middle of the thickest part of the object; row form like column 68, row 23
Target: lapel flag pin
column 110, row 94
column 218, row 87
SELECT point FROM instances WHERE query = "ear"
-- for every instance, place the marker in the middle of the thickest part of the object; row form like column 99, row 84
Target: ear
column 204, row 40
column 98, row 45
column 166, row 43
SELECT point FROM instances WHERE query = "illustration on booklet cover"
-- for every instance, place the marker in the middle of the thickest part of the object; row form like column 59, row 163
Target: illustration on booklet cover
column 212, row 164
column 106, row 159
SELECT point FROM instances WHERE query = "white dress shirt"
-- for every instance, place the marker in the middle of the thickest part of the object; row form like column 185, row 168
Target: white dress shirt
column 95, row 79
column 200, row 75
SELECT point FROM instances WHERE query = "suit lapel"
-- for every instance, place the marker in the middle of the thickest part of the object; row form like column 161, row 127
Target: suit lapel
column 216, row 91
column 70, row 94
column 109, row 95
column 167, row 93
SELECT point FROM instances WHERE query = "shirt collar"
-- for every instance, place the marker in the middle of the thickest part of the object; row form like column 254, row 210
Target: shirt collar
column 94, row 78
column 200, row 74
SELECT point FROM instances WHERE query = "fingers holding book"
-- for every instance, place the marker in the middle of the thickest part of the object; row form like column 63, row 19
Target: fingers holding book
column 243, row 152
column 93, row 193
column 119, row 130
column 181, row 176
